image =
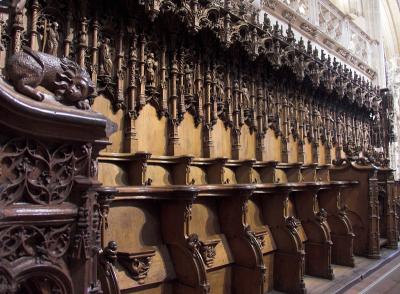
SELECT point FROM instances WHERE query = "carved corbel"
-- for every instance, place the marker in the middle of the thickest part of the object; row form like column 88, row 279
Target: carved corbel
column 137, row 264
column 107, row 261
column 208, row 252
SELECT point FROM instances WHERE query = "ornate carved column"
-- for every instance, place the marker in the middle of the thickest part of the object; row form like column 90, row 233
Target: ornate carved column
column 173, row 139
column 131, row 140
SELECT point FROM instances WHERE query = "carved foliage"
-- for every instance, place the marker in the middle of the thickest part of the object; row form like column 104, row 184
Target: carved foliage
column 48, row 243
column 41, row 174
column 29, row 169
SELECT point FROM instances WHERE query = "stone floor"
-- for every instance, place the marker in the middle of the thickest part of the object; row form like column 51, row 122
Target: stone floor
column 370, row 276
column 385, row 280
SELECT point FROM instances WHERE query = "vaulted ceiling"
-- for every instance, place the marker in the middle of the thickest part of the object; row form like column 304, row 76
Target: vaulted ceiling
column 391, row 27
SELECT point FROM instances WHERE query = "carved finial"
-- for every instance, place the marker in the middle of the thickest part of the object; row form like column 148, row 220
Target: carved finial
column 309, row 47
column 315, row 53
column 276, row 29
column 290, row 34
column 322, row 55
column 267, row 23
column 301, row 45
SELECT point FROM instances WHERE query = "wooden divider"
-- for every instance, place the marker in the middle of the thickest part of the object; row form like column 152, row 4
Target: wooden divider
column 340, row 225
column 369, row 206
column 273, row 202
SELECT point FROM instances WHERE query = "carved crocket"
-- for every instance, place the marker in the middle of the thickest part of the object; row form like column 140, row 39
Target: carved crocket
column 70, row 84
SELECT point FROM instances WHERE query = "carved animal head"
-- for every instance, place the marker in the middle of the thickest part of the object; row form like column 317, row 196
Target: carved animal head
column 74, row 84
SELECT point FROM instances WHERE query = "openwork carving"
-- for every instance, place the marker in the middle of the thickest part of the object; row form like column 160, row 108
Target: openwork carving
column 134, row 67
column 42, row 242
column 31, row 170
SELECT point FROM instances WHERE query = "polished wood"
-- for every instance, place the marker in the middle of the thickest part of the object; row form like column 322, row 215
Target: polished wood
column 362, row 206
column 318, row 246
column 221, row 153
column 288, row 233
column 388, row 214
column 342, row 234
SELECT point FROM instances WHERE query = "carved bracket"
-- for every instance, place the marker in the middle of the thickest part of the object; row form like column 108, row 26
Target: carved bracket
column 208, row 252
column 137, row 264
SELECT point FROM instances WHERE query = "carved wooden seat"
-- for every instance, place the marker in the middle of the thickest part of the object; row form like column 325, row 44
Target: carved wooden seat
column 136, row 222
column 207, row 170
column 331, row 200
column 271, row 207
column 288, row 172
column 362, row 205
column 215, row 228
column 304, row 198
column 322, row 172
column 227, row 253
column 303, row 202
column 264, row 171
column 196, row 91
column 309, row 172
